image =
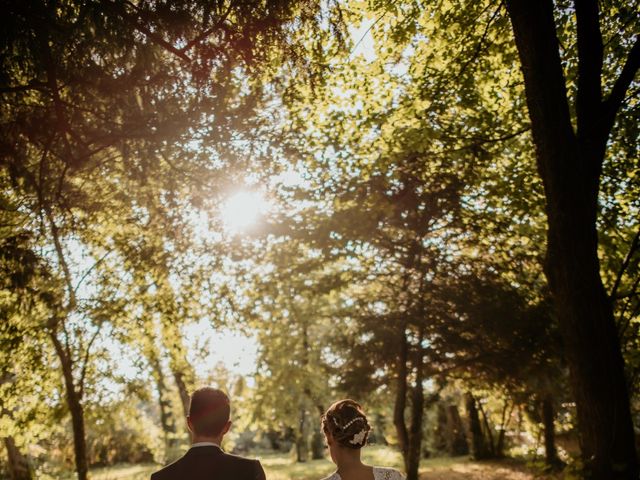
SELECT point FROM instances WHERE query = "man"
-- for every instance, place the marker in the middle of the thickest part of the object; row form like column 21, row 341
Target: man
column 208, row 422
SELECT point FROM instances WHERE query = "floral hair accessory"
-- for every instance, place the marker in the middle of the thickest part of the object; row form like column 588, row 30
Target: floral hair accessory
column 358, row 437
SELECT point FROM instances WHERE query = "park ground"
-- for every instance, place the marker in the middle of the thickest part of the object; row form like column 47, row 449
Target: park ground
column 282, row 467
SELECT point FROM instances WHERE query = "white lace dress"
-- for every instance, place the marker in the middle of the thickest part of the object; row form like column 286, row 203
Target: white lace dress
column 379, row 473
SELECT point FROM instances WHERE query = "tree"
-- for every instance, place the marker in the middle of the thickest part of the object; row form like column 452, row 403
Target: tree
column 94, row 91
column 570, row 159
column 408, row 205
column 513, row 342
column 470, row 38
column 27, row 293
column 288, row 306
column 20, row 271
column 19, row 468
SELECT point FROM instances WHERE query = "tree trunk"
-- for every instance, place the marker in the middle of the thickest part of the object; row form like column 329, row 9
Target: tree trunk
column 180, row 368
column 166, row 418
column 570, row 167
column 317, row 445
column 377, row 434
column 183, row 392
column 74, row 402
column 455, row 437
column 302, row 449
column 317, row 439
column 441, row 441
column 401, row 398
column 164, row 403
column 548, row 414
column 302, row 439
column 488, row 432
column 504, row 423
column 77, row 421
column 18, row 463
column 173, row 344
column 476, row 439
column 417, row 413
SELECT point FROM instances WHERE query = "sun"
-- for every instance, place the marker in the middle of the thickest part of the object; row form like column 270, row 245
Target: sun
column 243, row 209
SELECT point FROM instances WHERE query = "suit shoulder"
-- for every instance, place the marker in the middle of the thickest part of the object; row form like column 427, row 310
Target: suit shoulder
column 240, row 460
column 159, row 475
column 166, row 471
column 250, row 467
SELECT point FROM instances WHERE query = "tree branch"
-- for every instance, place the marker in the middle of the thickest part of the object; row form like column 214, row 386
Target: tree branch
column 208, row 32
column 625, row 263
column 484, row 140
column 61, row 257
column 619, row 90
column 545, row 85
column 85, row 360
column 156, row 38
column 35, row 85
column 478, row 49
column 634, row 312
column 86, row 274
column 46, row 209
column 590, row 51
column 52, row 83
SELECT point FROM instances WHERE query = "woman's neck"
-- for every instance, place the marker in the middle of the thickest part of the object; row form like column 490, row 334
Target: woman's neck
column 347, row 460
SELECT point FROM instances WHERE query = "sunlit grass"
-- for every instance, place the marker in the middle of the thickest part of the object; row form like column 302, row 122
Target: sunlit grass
column 281, row 466
column 124, row 472
column 382, row 456
column 284, row 467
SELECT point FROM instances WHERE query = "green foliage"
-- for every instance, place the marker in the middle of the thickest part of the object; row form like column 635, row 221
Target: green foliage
column 419, row 213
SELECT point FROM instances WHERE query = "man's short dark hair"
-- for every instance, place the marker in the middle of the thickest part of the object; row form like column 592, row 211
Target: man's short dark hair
column 209, row 411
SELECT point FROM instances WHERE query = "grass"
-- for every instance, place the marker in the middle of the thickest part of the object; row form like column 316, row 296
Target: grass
column 283, row 467
column 124, row 472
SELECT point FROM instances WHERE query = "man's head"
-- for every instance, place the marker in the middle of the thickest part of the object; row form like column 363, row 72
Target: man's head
column 209, row 413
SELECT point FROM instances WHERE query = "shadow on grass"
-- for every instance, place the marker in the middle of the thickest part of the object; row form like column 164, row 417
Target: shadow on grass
column 459, row 468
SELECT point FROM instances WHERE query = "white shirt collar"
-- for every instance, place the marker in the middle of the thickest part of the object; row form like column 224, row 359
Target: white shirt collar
column 204, row 444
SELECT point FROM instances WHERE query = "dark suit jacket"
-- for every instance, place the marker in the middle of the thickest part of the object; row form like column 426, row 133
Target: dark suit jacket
column 211, row 463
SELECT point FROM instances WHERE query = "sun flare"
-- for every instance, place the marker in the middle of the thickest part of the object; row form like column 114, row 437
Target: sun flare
column 243, row 209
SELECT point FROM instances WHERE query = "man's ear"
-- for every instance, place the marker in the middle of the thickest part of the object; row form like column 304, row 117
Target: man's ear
column 226, row 428
column 189, row 424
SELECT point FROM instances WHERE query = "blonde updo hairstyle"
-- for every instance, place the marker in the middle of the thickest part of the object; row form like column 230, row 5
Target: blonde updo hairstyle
column 346, row 422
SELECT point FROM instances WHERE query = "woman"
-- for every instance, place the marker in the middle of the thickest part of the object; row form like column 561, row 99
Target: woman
column 346, row 430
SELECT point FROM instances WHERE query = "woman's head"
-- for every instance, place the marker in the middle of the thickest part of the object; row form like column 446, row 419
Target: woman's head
column 346, row 423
